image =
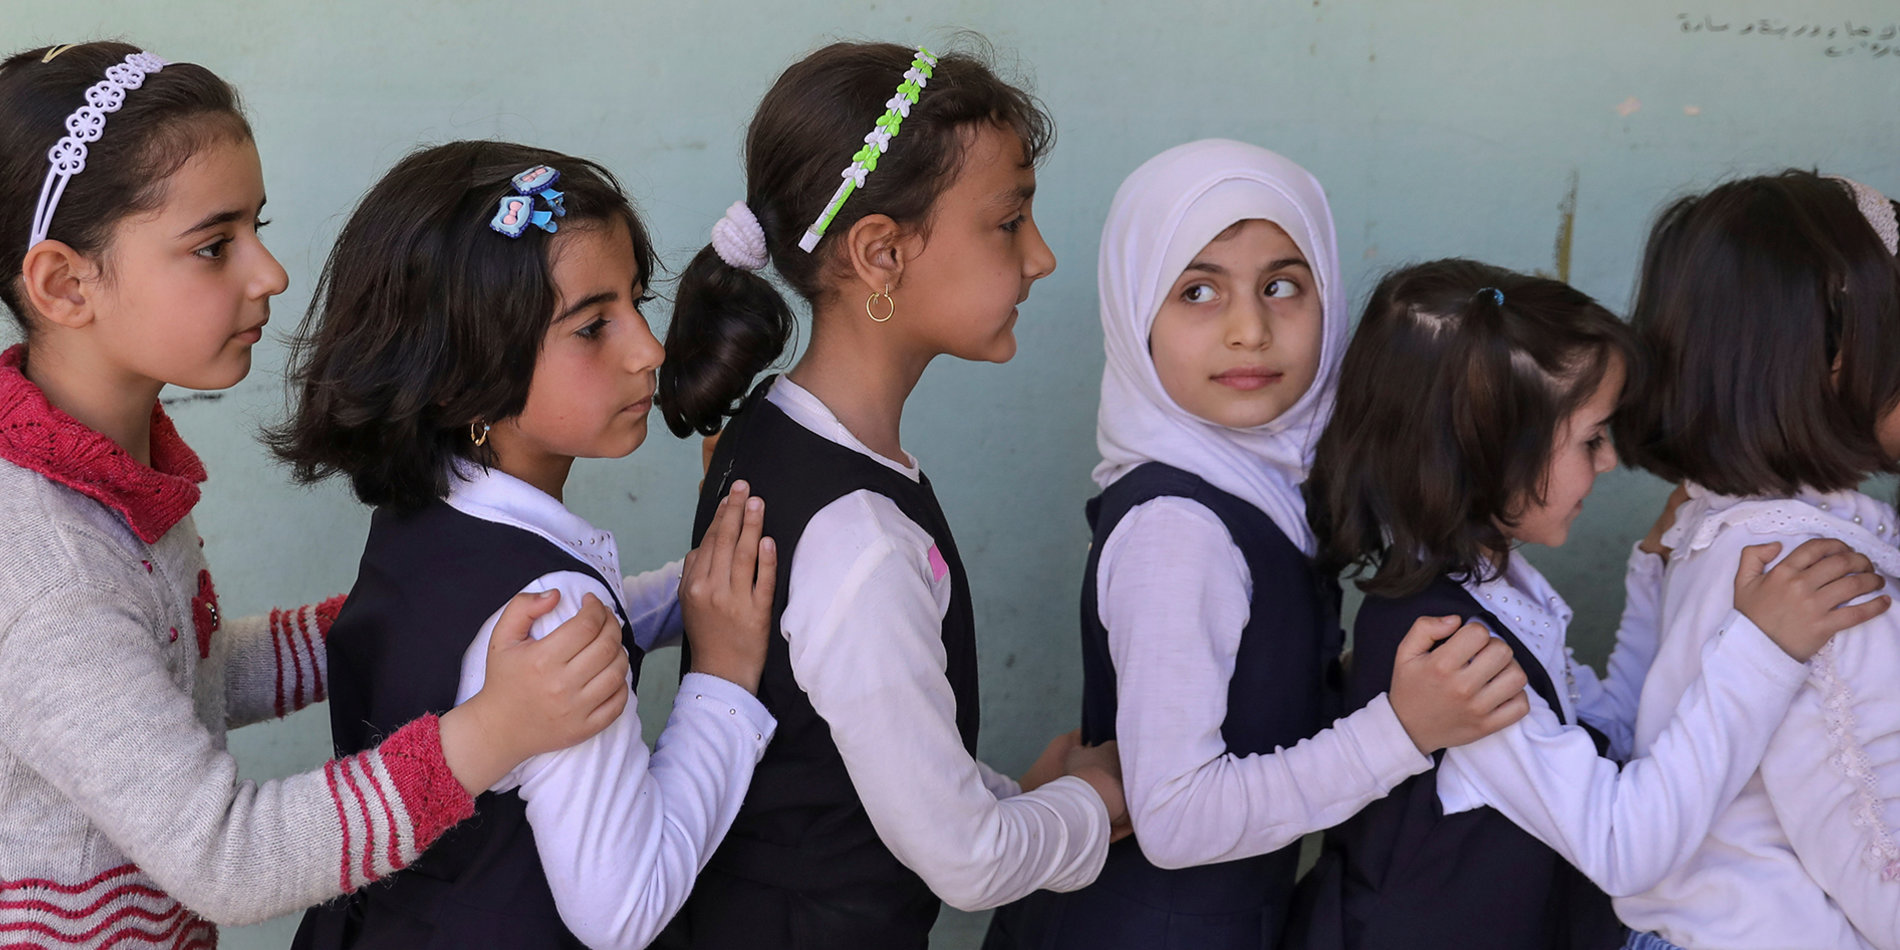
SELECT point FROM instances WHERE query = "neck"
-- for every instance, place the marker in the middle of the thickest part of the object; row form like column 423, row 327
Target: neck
column 542, row 470
column 863, row 372
column 100, row 395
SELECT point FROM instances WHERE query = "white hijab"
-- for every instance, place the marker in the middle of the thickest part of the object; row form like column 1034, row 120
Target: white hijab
column 1163, row 215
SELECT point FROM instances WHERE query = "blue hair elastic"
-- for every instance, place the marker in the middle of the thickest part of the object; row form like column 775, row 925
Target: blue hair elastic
column 516, row 212
column 1496, row 295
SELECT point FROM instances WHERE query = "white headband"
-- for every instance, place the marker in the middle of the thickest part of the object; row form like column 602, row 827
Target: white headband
column 1878, row 211
column 67, row 157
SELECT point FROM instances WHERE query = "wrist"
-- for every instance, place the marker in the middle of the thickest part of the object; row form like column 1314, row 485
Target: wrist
column 740, row 674
column 470, row 747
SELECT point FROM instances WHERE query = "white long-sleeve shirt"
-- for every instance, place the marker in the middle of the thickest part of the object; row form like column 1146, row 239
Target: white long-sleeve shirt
column 621, row 834
column 1174, row 592
column 1797, row 859
column 863, row 622
column 1624, row 828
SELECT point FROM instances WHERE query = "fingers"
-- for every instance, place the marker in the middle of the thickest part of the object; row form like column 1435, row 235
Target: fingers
column 1848, row 587
column 745, row 558
column 1425, row 632
column 1755, row 561
column 767, row 583
column 1492, row 659
column 1853, row 615
column 720, row 537
column 1463, row 646
column 518, row 617
column 1499, row 690
column 580, row 631
column 1510, row 711
column 1812, row 552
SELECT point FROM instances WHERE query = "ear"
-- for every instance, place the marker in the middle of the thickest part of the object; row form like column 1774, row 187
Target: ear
column 57, row 281
column 876, row 249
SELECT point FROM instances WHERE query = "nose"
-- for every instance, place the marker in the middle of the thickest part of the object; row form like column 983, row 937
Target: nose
column 645, row 352
column 1038, row 260
column 1608, row 459
column 270, row 278
column 1248, row 325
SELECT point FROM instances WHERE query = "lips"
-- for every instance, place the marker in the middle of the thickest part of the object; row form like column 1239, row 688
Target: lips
column 1248, row 377
column 641, row 407
column 252, row 335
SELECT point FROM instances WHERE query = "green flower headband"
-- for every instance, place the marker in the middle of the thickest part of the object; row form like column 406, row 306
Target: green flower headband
column 896, row 110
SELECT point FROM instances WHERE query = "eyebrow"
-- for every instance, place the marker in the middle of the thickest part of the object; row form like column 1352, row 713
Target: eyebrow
column 1018, row 194
column 605, row 296
column 1209, row 267
column 219, row 219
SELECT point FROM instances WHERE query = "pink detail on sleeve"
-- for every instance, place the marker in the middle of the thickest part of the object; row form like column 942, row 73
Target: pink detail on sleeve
column 430, row 793
column 326, row 614
column 938, row 566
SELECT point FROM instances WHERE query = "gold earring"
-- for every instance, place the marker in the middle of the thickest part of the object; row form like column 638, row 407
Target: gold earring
column 478, row 437
column 890, row 306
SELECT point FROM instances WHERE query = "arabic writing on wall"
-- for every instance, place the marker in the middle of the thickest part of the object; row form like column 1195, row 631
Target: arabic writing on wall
column 1846, row 38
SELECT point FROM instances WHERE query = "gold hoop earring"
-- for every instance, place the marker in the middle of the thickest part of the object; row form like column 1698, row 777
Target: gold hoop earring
column 890, row 306
column 478, row 436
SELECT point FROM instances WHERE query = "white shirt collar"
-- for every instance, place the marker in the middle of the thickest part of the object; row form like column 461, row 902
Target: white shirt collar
column 805, row 409
column 494, row 495
column 1523, row 599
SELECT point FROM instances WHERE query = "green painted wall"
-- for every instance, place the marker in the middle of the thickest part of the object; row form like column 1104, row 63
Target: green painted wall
column 1537, row 136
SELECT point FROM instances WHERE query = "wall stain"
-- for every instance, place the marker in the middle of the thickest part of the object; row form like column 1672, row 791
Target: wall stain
column 1566, row 232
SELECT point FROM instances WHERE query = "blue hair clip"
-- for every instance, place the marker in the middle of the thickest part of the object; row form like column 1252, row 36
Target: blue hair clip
column 517, row 212
column 1496, row 295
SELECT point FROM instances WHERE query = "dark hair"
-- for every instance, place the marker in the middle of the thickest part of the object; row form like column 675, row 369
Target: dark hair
column 730, row 324
column 1450, row 398
column 174, row 113
column 1748, row 296
column 425, row 320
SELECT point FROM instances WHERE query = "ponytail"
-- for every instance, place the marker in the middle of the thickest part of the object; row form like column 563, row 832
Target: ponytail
column 728, row 325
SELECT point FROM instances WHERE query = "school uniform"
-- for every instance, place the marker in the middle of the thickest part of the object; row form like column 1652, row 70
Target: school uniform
column 1207, row 636
column 1515, row 838
column 593, row 845
column 870, row 806
column 1805, row 854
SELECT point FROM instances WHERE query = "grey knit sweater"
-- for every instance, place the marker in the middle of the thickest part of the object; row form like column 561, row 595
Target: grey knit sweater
column 122, row 818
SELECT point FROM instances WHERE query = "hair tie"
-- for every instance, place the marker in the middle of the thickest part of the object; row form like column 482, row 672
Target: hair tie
column 1496, row 295
column 1878, row 211
column 739, row 240
column 864, row 161
column 67, row 157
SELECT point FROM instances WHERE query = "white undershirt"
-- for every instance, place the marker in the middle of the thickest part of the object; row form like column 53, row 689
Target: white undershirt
column 1786, row 864
column 864, row 623
column 1625, row 828
column 1174, row 593
column 621, row 834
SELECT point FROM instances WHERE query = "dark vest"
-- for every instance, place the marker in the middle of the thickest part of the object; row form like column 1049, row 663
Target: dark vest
column 1402, row 874
column 427, row 582
column 802, row 866
column 1284, row 689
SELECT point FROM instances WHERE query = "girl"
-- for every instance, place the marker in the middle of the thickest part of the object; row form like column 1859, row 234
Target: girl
column 122, row 821
column 871, row 799
column 1473, row 417
column 1773, row 306
column 477, row 329
column 1208, row 638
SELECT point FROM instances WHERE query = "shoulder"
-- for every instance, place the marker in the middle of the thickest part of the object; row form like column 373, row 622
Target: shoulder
column 860, row 523
column 1384, row 621
column 55, row 536
column 1168, row 534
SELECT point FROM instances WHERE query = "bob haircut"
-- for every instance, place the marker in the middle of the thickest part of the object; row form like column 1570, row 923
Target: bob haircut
column 427, row 321
column 1449, row 405
column 1773, row 312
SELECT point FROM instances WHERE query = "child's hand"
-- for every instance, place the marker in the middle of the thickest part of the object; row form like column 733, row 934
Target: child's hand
column 538, row 695
column 1050, row 765
column 726, row 591
column 1466, row 689
column 1101, row 767
column 1652, row 543
column 1802, row 603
